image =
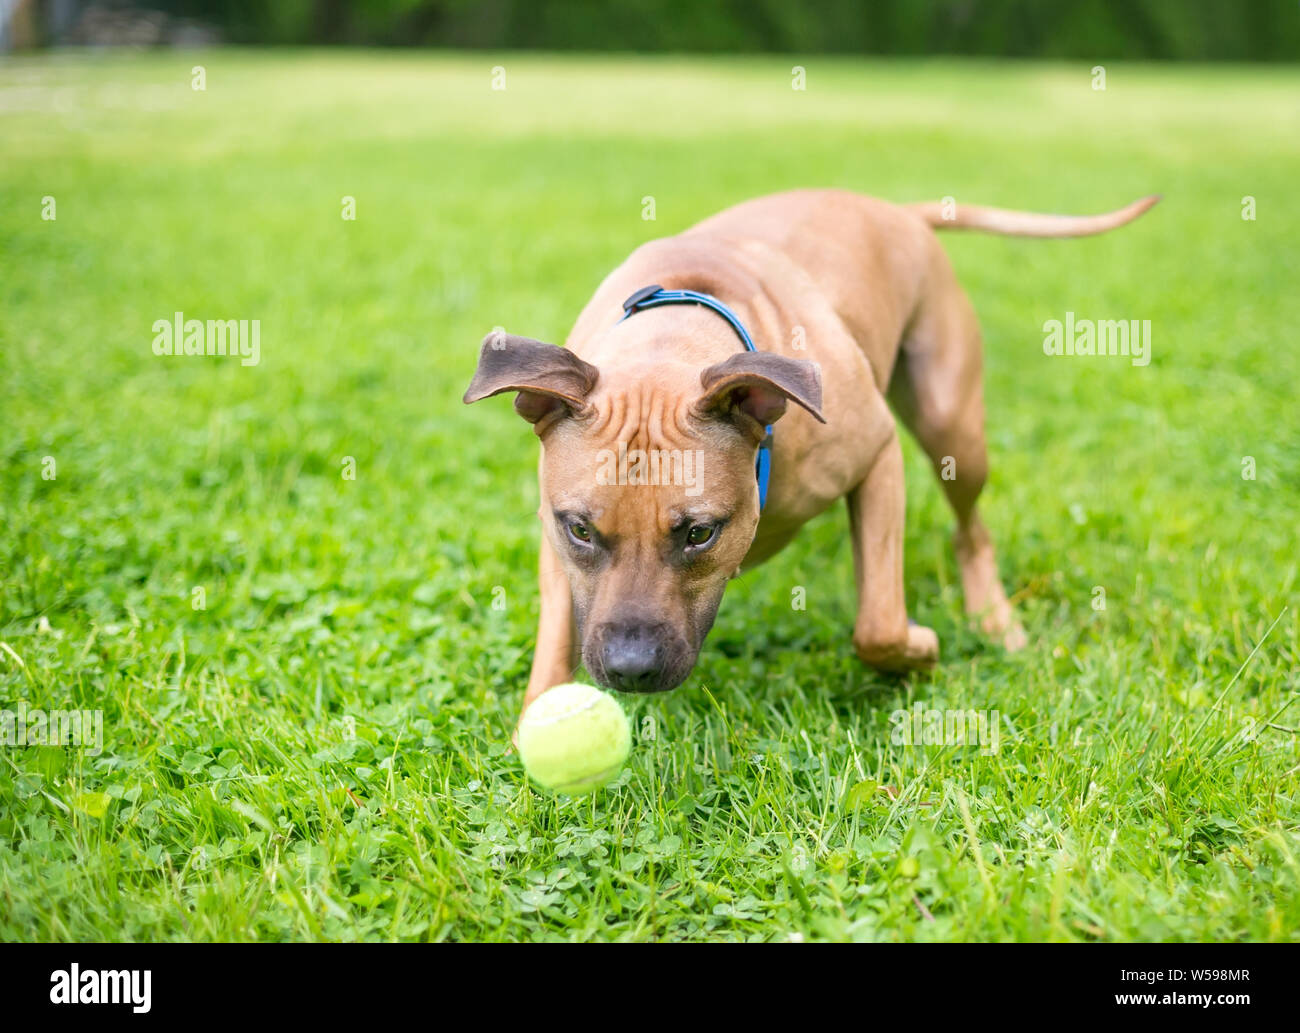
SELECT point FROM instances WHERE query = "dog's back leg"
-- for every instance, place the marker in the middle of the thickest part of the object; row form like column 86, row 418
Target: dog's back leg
column 937, row 390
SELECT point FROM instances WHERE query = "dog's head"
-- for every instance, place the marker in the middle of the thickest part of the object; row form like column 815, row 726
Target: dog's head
column 648, row 490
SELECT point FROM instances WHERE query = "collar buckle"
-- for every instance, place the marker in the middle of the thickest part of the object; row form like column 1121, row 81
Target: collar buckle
column 639, row 298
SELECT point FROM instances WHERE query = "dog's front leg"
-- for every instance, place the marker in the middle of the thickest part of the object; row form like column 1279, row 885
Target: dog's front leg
column 557, row 654
column 882, row 635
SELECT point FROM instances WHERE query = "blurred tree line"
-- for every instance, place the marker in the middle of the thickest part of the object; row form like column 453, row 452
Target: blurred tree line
column 1236, row 30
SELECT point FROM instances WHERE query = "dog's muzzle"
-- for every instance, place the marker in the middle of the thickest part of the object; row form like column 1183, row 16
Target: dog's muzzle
column 638, row 657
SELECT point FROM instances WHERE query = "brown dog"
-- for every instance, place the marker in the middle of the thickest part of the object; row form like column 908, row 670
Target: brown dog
column 850, row 301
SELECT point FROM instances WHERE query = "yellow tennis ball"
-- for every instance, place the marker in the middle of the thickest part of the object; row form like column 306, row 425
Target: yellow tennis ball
column 574, row 738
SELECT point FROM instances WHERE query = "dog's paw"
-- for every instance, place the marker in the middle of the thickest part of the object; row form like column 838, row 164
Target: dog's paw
column 918, row 649
column 1014, row 638
column 1000, row 625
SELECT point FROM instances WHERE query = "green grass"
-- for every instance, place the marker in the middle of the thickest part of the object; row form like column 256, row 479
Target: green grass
column 322, row 751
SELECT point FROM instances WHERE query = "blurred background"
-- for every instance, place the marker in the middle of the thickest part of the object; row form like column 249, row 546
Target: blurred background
column 1199, row 30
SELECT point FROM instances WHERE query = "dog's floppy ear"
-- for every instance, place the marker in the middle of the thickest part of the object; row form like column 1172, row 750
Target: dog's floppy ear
column 546, row 377
column 758, row 384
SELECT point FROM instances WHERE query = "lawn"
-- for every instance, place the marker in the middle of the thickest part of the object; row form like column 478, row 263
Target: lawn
column 308, row 679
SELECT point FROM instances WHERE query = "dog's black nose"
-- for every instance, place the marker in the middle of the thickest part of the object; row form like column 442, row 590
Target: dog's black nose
column 632, row 658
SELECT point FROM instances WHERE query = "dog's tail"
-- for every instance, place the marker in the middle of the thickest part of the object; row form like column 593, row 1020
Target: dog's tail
column 951, row 216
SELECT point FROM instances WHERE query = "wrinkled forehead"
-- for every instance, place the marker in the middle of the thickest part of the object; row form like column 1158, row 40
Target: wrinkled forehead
column 642, row 450
column 648, row 405
column 661, row 482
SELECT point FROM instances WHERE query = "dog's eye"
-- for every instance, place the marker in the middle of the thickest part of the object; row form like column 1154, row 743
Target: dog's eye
column 700, row 534
column 581, row 532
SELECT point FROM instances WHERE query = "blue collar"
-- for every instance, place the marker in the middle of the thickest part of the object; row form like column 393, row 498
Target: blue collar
column 652, row 297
